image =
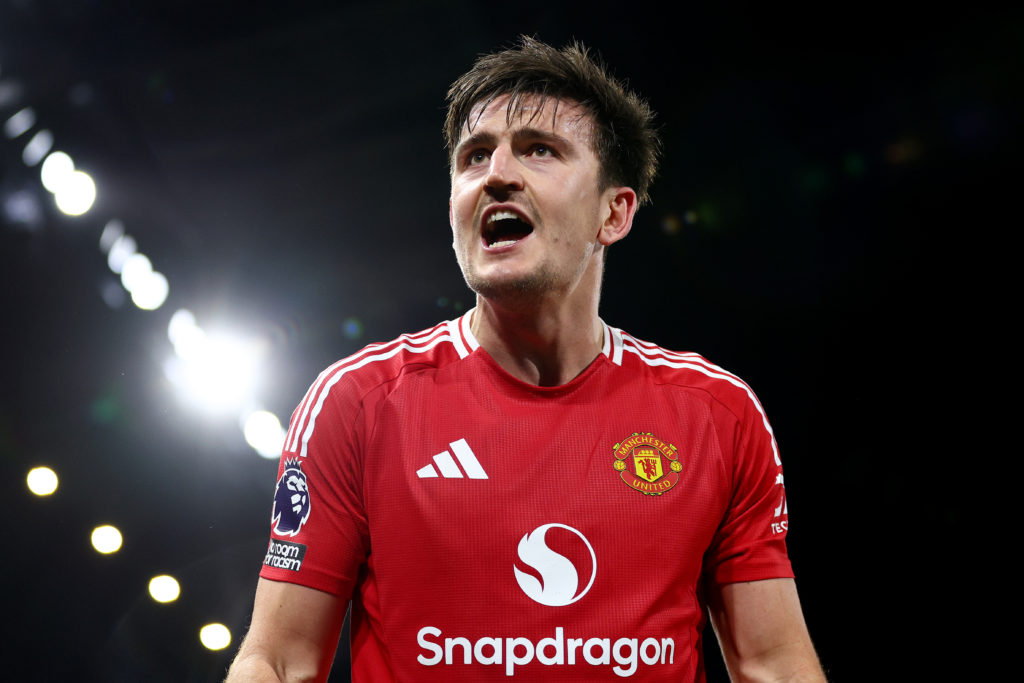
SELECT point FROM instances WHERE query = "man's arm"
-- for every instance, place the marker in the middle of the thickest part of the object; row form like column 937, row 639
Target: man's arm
column 761, row 629
column 293, row 635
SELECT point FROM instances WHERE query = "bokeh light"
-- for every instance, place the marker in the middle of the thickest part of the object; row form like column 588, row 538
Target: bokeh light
column 42, row 481
column 76, row 193
column 264, row 433
column 135, row 270
column 37, row 148
column 164, row 588
column 106, row 539
column 151, row 293
column 215, row 636
column 55, row 171
column 216, row 372
column 353, row 328
column 120, row 251
column 19, row 122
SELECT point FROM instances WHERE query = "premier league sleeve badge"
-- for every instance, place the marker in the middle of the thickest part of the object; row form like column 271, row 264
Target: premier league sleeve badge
column 291, row 500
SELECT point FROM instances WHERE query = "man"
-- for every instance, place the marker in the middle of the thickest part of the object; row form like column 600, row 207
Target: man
column 527, row 491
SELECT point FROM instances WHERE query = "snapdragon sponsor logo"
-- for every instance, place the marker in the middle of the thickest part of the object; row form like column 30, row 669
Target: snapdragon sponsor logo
column 551, row 578
column 624, row 655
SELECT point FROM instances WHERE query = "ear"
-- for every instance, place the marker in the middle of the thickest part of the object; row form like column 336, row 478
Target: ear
column 451, row 219
column 619, row 211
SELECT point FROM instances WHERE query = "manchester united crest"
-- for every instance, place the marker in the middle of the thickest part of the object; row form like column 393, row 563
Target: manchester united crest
column 647, row 464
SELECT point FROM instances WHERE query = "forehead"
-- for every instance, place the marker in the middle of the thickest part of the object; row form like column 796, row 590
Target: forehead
column 563, row 117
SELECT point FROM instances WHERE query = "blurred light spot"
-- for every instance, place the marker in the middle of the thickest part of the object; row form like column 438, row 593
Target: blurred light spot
column 854, row 165
column 112, row 231
column 164, row 588
column 670, row 224
column 10, row 92
column 215, row 636
column 76, row 194
column 56, row 169
column 106, row 539
column 458, row 306
column 151, row 293
column 120, row 250
column 135, row 270
column 690, row 217
column 264, row 433
column 37, row 148
column 42, row 481
column 215, row 372
column 352, row 328
column 442, row 301
column 185, row 335
column 19, row 123
column 708, row 215
column 112, row 293
column 903, row 152
column 22, row 208
column 104, row 409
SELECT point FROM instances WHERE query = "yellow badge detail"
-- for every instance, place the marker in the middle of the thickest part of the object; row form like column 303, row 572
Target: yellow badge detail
column 647, row 464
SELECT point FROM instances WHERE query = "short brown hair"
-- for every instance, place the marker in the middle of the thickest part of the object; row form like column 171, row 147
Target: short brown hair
column 625, row 141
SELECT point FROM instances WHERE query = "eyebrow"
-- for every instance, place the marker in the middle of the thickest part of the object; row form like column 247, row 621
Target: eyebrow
column 520, row 134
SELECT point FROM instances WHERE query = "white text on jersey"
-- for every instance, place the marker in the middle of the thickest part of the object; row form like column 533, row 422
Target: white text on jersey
column 558, row 651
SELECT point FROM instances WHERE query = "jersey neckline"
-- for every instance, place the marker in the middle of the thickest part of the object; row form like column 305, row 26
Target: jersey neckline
column 467, row 345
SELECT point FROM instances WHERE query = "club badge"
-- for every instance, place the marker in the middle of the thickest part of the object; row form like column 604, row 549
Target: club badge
column 647, row 464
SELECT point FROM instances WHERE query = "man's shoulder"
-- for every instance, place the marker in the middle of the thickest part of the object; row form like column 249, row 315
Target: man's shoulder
column 342, row 386
column 382, row 362
column 683, row 369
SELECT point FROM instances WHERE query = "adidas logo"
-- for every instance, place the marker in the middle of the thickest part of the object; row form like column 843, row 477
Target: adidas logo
column 449, row 470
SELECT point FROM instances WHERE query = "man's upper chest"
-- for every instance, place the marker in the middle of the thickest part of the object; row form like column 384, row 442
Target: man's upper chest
column 629, row 460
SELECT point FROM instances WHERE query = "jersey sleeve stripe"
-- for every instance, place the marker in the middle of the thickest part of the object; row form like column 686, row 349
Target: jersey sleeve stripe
column 617, row 346
column 712, row 371
column 467, row 331
column 653, row 350
column 365, row 360
column 295, row 429
column 456, row 335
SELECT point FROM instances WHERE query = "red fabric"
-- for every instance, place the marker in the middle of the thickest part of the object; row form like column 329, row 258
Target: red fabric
column 419, row 552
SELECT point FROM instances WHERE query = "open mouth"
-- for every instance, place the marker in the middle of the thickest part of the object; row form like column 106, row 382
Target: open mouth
column 504, row 228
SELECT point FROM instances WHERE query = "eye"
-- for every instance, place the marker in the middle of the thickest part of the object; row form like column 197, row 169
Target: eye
column 477, row 156
column 541, row 151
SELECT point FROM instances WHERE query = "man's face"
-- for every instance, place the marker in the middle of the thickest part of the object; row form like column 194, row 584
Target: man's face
column 525, row 206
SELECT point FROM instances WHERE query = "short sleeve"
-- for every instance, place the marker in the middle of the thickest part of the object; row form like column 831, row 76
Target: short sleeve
column 750, row 543
column 319, row 536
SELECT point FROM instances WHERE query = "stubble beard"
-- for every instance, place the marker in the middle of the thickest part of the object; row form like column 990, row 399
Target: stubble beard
column 515, row 292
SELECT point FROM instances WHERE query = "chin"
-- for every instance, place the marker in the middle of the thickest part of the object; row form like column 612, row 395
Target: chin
column 521, row 288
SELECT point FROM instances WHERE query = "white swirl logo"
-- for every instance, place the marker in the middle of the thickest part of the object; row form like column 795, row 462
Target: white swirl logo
column 559, row 580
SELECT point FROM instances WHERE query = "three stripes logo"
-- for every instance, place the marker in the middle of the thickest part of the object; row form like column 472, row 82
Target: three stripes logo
column 446, row 464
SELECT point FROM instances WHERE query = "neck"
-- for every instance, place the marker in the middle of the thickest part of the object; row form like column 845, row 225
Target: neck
column 547, row 343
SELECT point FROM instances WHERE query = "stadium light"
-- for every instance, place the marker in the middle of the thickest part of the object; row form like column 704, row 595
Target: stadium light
column 76, row 194
column 56, row 168
column 215, row 636
column 19, row 122
column 42, row 481
column 263, row 431
column 106, row 539
column 164, row 588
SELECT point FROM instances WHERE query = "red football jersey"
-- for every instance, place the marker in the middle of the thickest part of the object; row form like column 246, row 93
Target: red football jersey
column 485, row 527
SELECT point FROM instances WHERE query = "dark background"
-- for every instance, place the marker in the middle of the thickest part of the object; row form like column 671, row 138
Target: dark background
column 818, row 227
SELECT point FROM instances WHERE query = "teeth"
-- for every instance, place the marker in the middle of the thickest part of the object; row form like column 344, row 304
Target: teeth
column 503, row 243
column 501, row 215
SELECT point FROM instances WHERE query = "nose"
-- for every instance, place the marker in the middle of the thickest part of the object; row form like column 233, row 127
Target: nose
column 504, row 172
